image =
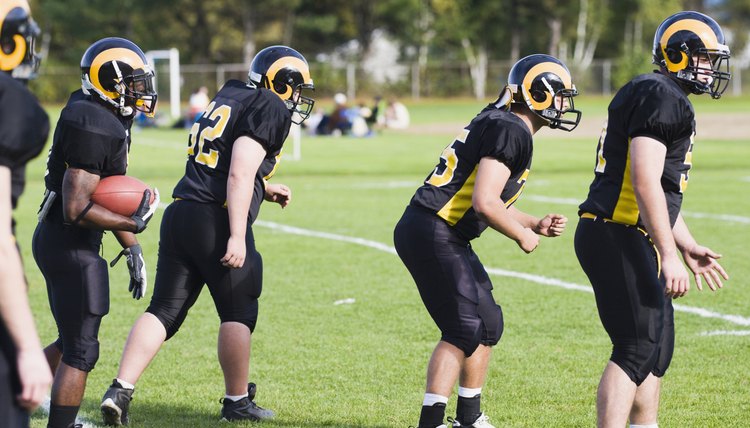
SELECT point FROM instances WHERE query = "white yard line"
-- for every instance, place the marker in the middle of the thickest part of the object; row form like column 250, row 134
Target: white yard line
column 570, row 201
column 539, row 279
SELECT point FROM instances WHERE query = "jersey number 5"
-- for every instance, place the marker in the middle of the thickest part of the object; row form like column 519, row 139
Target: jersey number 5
column 200, row 136
column 443, row 173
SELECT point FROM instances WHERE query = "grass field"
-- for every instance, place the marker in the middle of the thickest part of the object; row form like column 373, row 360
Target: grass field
column 362, row 364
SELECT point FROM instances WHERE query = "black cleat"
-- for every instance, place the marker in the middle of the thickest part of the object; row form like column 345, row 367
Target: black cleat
column 245, row 408
column 115, row 405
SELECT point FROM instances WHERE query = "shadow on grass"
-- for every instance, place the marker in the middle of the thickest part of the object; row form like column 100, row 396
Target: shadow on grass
column 158, row 415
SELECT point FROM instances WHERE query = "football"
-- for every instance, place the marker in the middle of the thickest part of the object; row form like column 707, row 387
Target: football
column 120, row 194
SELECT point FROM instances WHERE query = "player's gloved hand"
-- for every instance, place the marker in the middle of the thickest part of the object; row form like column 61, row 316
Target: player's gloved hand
column 145, row 210
column 136, row 268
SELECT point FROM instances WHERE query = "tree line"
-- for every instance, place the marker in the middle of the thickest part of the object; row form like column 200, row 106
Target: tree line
column 473, row 33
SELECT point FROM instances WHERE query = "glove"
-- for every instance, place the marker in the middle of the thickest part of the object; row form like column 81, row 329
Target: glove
column 145, row 210
column 136, row 268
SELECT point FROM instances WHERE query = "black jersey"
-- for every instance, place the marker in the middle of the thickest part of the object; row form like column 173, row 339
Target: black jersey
column 89, row 136
column 650, row 105
column 448, row 190
column 237, row 110
column 23, row 130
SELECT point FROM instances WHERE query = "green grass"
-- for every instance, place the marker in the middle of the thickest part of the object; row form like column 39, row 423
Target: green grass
column 363, row 365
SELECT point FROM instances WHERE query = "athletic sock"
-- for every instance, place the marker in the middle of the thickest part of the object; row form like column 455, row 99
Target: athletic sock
column 432, row 416
column 236, row 398
column 468, row 406
column 62, row 416
column 124, row 384
column 654, row 425
column 433, row 410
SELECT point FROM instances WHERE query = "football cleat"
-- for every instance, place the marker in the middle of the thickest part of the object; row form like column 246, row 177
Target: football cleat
column 115, row 405
column 245, row 408
column 483, row 421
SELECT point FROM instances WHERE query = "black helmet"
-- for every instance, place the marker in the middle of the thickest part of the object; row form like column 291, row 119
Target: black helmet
column 544, row 84
column 18, row 37
column 117, row 71
column 680, row 39
column 285, row 72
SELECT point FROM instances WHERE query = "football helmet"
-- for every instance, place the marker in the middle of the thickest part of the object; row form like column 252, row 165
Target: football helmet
column 116, row 70
column 686, row 37
column 543, row 83
column 285, row 72
column 18, row 39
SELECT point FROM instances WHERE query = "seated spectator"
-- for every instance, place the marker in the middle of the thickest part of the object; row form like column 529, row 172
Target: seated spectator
column 396, row 115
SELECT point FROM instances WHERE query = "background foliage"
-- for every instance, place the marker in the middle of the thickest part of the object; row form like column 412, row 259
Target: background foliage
column 449, row 39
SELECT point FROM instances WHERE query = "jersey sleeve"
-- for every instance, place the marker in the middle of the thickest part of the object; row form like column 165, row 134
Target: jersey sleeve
column 505, row 142
column 23, row 129
column 660, row 117
column 266, row 120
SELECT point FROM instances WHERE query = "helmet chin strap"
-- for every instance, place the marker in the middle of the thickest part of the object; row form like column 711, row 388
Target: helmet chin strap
column 120, row 106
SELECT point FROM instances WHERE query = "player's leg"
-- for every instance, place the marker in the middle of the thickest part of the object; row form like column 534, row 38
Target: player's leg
column 176, row 288
column 78, row 289
column 621, row 265
column 235, row 293
column 645, row 410
column 474, row 370
column 440, row 263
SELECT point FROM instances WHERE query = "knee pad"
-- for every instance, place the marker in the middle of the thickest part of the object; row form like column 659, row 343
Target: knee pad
column 492, row 318
column 636, row 359
column 247, row 315
column 466, row 336
column 81, row 353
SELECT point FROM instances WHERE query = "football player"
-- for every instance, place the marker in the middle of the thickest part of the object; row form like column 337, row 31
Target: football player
column 24, row 374
column 631, row 232
column 206, row 235
column 91, row 141
column 479, row 177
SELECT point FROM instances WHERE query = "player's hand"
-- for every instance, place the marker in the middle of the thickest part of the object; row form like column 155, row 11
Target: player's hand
column 35, row 376
column 702, row 261
column 551, row 225
column 676, row 276
column 137, row 270
column 528, row 241
column 145, row 210
column 235, row 255
column 279, row 193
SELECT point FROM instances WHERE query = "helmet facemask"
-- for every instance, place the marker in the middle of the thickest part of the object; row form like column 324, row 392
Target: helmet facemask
column 553, row 102
column 300, row 105
column 140, row 91
column 713, row 63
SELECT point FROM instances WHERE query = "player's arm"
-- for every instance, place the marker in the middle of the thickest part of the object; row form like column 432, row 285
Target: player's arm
column 16, row 314
column 702, row 261
column 77, row 188
column 492, row 175
column 247, row 155
column 646, row 166
column 551, row 225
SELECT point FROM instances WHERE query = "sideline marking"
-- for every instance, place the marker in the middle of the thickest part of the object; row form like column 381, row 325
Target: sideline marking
column 539, row 279
column 726, row 333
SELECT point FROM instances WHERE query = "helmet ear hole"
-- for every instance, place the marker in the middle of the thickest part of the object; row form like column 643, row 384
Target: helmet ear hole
column 674, row 56
column 279, row 88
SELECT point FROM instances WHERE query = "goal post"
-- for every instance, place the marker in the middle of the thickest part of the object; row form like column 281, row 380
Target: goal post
column 173, row 57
